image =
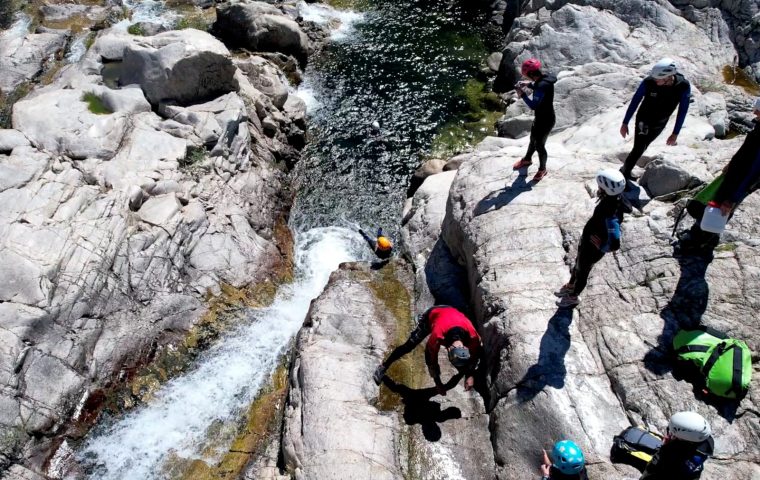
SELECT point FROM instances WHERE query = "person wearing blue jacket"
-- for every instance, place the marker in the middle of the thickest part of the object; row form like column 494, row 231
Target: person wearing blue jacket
column 600, row 235
column 541, row 102
column 656, row 98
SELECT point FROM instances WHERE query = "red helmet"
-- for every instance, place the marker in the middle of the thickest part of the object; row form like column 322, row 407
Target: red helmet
column 530, row 65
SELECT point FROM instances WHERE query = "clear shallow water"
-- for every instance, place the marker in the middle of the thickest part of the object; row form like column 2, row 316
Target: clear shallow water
column 401, row 65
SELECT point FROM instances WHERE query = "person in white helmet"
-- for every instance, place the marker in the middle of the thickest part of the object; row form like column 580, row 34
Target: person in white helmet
column 600, row 235
column 688, row 444
column 657, row 97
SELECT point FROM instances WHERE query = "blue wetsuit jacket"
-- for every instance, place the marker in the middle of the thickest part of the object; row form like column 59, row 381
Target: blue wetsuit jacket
column 659, row 101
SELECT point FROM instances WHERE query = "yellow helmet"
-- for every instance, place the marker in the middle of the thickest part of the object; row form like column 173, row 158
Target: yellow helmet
column 383, row 243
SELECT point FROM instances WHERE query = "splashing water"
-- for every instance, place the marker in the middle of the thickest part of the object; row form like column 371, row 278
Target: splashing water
column 323, row 14
column 227, row 377
column 78, row 48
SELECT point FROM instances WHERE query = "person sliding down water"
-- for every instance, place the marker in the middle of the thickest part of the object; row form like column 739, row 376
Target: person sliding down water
column 600, row 235
column 448, row 328
column 382, row 246
column 658, row 95
column 542, row 102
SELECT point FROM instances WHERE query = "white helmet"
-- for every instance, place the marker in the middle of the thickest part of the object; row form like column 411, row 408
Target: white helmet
column 663, row 68
column 689, row 426
column 611, row 181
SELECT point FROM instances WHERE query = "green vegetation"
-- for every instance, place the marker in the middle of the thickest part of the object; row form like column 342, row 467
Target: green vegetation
column 355, row 5
column 726, row 247
column 136, row 29
column 95, row 104
column 736, row 76
column 7, row 9
column 198, row 21
column 484, row 108
column 7, row 101
column 409, row 370
column 249, row 438
column 193, row 157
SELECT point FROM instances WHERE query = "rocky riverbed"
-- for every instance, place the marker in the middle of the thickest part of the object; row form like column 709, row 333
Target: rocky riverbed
column 153, row 173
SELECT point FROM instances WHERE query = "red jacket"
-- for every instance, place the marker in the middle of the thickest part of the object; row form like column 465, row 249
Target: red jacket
column 441, row 320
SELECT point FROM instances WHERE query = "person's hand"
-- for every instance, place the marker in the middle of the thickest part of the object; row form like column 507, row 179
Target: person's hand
column 596, row 241
column 547, row 462
column 468, row 383
column 672, row 140
column 624, row 130
column 439, row 387
column 726, row 207
column 545, row 470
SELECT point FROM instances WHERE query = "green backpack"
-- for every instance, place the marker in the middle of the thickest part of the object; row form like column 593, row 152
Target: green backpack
column 726, row 363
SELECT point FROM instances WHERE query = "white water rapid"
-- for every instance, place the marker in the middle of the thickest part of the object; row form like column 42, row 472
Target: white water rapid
column 227, row 377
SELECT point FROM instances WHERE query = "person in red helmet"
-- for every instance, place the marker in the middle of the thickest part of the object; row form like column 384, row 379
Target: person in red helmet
column 541, row 102
column 449, row 328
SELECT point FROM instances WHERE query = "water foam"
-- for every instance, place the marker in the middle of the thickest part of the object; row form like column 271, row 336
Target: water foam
column 324, row 14
column 78, row 48
column 227, row 376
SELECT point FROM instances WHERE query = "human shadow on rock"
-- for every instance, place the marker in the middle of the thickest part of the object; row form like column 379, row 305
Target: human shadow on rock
column 446, row 279
column 420, row 409
column 550, row 369
column 498, row 198
column 683, row 312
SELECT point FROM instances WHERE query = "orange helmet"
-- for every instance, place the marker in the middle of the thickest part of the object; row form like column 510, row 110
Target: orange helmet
column 383, row 243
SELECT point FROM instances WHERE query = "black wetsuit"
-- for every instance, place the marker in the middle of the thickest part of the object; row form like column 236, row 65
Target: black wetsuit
column 657, row 105
column 679, row 460
column 542, row 102
column 555, row 474
column 373, row 244
column 605, row 224
column 742, row 177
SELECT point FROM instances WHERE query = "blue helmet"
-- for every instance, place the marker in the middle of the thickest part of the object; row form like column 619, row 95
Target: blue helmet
column 568, row 457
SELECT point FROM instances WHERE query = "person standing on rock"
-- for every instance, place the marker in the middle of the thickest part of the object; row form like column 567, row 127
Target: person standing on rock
column 568, row 464
column 600, row 235
column 382, row 246
column 741, row 177
column 541, row 102
column 446, row 327
column 656, row 98
column 688, row 444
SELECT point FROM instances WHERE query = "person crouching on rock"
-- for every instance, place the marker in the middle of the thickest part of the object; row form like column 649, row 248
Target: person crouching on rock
column 447, row 327
column 568, row 463
column 600, row 235
column 658, row 95
column 382, row 246
column 741, row 177
column 688, row 444
column 542, row 102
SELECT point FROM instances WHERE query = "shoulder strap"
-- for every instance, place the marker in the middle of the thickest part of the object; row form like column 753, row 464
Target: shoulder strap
column 736, row 380
column 714, row 356
column 692, row 349
column 712, row 331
